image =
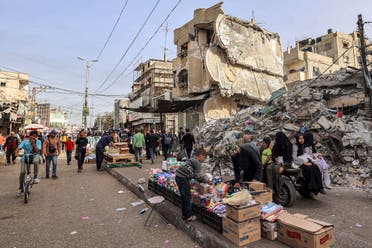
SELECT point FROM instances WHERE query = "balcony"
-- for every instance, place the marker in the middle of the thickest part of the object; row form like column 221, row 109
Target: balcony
column 295, row 76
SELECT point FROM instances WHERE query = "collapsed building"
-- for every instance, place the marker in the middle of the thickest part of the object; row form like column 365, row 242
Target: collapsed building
column 332, row 107
column 232, row 62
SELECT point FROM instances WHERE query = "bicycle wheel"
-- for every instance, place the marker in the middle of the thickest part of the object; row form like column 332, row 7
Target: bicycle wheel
column 25, row 191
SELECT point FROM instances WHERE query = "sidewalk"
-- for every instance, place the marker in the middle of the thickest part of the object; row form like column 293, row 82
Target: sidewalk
column 199, row 232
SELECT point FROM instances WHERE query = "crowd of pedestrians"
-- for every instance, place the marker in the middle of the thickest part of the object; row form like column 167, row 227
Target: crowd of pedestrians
column 47, row 147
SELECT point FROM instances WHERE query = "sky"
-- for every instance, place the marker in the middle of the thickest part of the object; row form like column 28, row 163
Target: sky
column 44, row 38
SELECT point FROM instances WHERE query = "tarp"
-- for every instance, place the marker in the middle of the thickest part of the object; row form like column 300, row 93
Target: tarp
column 172, row 106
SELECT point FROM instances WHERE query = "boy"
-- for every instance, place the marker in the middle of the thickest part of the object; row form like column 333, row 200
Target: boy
column 266, row 156
column 191, row 170
column 69, row 148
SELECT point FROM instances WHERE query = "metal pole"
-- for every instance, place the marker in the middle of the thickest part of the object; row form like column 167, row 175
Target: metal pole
column 85, row 109
column 85, row 112
column 363, row 56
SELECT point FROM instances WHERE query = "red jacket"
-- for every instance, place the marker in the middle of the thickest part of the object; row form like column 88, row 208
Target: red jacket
column 69, row 145
column 11, row 143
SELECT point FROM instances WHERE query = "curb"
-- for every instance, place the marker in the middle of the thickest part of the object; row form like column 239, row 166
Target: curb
column 204, row 237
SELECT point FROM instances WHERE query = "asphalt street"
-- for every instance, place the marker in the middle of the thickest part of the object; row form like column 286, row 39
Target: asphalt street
column 78, row 210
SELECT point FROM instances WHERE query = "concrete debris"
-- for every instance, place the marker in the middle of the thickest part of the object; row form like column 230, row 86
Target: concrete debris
column 343, row 135
column 142, row 180
column 324, row 123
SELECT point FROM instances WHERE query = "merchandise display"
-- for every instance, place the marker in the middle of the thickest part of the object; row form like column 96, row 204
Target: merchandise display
column 243, row 214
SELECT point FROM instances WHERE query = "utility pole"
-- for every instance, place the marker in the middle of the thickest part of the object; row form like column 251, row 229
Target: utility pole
column 165, row 41
column 85, row 111
column 33, row 100
column 363, row 56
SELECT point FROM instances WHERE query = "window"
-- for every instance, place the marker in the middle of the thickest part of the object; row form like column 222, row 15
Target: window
column 3, row 84
column 316, row 71
column 183, row 52
column 183, row 78
column 345, row 44
column 347, row 59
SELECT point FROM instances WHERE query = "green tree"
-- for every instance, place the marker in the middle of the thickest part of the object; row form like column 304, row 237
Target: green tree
column 104, row 121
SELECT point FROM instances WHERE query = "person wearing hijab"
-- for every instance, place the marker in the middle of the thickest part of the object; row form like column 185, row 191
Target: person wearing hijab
column 317, row 159
column 311, row 172
column 282, row 149
column 281, row 154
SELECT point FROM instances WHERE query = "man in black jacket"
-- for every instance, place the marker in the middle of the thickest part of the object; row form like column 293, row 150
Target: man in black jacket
column 152, row 140
column 248, row 161
column 188, row 142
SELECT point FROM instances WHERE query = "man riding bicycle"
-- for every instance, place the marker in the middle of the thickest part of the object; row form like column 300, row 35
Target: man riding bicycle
column 31, row 146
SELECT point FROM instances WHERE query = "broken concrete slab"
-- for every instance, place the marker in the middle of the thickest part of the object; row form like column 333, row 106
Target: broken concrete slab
column 325, row 123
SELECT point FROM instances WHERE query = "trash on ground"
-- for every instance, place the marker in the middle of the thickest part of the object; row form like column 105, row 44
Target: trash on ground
column 143, row 210
column 137, row 203
column 142, row 180
column 84, row 217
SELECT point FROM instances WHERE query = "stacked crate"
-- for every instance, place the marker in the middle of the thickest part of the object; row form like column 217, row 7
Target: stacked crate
column 122, row 155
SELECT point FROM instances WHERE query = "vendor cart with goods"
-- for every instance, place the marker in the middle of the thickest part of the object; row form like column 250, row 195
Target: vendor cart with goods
column 243, row 214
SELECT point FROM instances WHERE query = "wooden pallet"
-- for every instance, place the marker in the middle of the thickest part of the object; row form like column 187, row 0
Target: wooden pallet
column 121, row 145
column 124, row 151
column 119, row 157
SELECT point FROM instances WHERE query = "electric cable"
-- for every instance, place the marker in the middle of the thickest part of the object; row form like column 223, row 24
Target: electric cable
column 113, row 29
column 144, row 47
column 130, row 45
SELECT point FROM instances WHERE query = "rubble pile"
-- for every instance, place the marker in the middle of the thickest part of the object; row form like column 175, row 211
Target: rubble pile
column 330, row 106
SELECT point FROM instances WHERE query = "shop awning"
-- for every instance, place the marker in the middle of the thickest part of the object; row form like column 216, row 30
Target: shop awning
column 172, row 106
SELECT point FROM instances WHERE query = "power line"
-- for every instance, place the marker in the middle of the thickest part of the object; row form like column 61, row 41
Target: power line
column 113, row 29
column 146, row 44
column 130, row 45
column 65, row 91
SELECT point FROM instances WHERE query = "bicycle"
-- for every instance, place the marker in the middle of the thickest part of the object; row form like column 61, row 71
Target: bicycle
column 28, row 180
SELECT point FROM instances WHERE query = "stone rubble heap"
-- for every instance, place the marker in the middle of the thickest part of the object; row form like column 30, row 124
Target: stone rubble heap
column 345, row 141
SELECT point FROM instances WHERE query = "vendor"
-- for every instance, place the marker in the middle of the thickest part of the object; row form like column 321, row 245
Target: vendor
column 102, row 143
column 248, row 160
column 190, row 170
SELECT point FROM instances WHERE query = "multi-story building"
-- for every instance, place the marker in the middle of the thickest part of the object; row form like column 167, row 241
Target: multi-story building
column 324, row 54
column 14, row 96
column 154, row 81
column 43, row 114
column 120, row 114
column 233, row 62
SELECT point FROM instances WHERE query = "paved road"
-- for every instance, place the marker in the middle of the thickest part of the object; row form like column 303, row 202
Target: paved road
column 56, row 207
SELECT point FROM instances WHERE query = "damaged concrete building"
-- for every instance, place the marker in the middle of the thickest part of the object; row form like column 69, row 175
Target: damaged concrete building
column 14, row 89
column 154, row 81
column 233, row 61
column 325, row 54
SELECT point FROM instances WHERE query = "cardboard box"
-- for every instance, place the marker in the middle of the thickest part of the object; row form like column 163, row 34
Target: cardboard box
column 263, row 197
column 255, row 186
column 269, row 230
column 242, row 213
column 242, row 233
column 203, row 188
column 300, row 231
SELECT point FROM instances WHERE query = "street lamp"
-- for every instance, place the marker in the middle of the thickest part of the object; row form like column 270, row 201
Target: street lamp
column 85, row 112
